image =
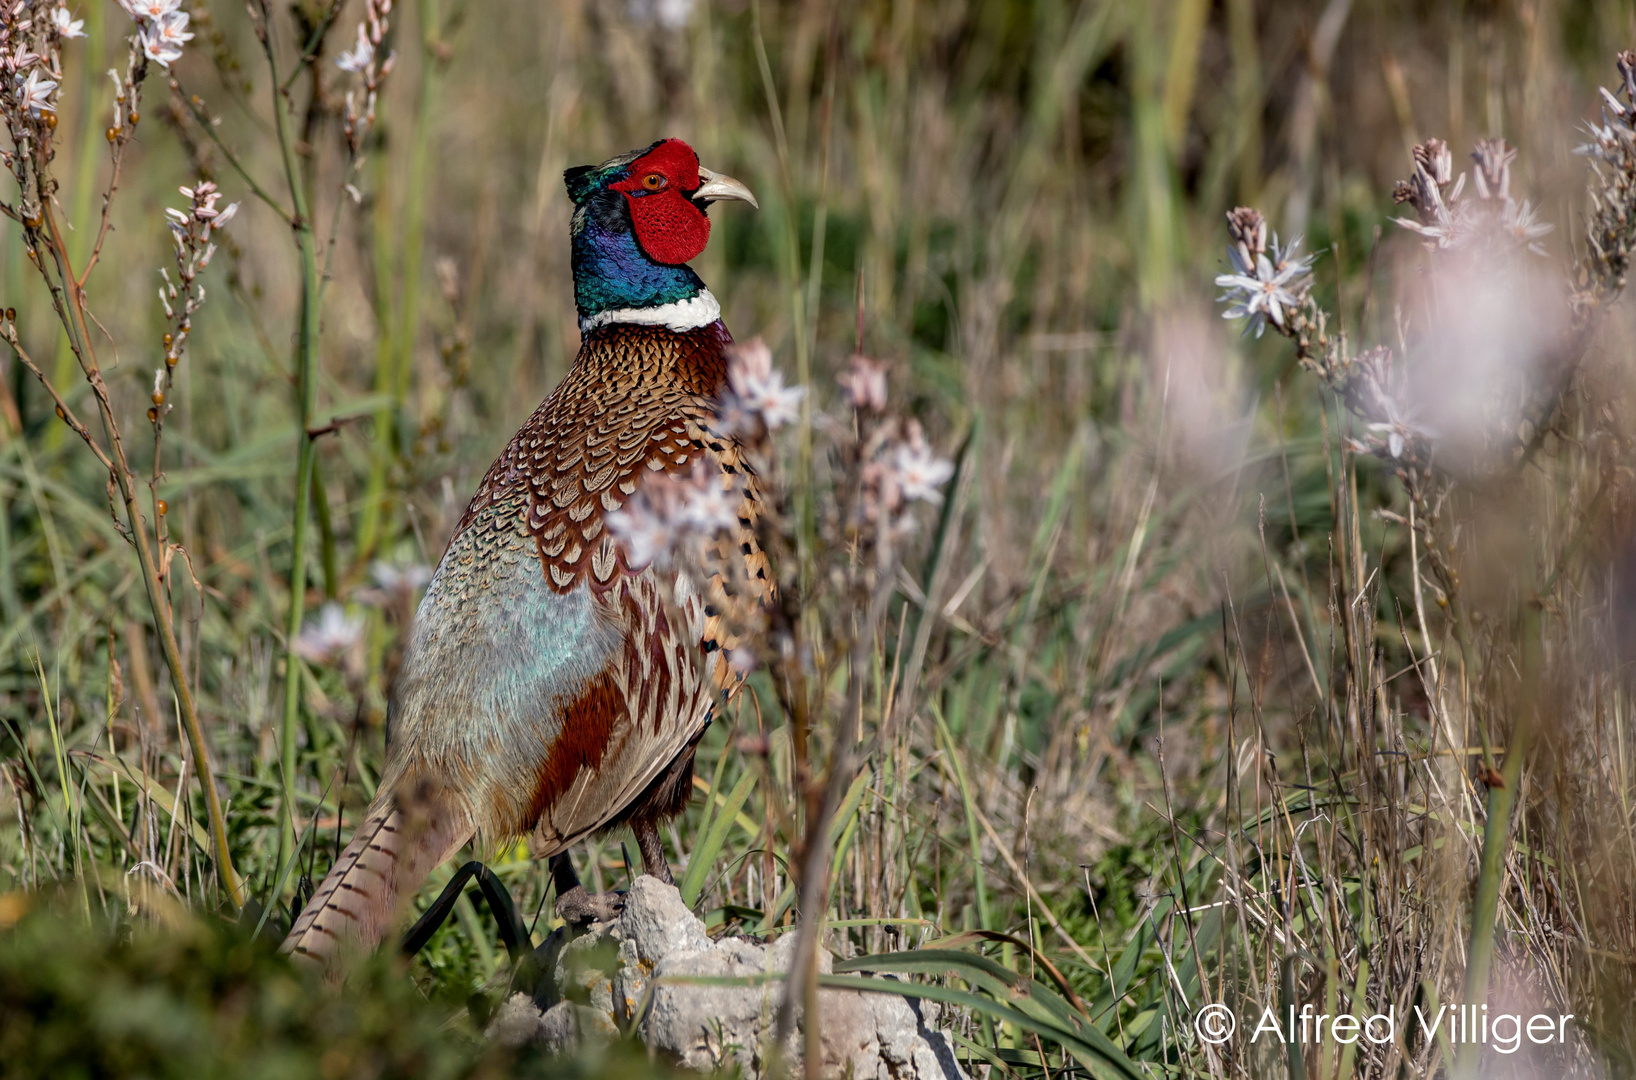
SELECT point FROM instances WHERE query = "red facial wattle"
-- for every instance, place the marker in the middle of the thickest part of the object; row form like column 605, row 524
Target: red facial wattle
column 668, row 226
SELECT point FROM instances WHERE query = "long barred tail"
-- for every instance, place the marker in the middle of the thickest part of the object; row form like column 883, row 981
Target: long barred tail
column 379, row 871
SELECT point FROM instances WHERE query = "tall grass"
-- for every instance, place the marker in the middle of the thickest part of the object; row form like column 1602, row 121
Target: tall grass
column 1162, row 699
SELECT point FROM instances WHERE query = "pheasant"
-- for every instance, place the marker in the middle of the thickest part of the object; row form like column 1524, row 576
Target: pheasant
column 553, row 686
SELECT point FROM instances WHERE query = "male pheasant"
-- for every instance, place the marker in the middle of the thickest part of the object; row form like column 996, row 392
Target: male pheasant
column 550, row 687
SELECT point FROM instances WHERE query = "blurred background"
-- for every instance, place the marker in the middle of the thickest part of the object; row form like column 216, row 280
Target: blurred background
column 1136, row 654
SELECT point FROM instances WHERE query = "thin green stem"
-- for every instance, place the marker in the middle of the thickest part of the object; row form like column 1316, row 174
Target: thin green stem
column 1502, row 800
column 306, row 363
column 309, row 50
column 385, row 380
column 207, row 125
column 85, row 171
column 70, row 303
column 326, row 535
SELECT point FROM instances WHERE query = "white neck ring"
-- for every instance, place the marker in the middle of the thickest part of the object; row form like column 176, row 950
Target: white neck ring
column 689, row 314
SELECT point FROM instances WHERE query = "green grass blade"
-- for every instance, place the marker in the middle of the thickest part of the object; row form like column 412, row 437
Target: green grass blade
column 705, row 852
column 845, row 826
column 1089, row 1046
column 966, row 798
column 977, row 970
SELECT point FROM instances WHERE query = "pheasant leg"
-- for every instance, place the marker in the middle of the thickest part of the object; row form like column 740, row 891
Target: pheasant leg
column 576, row 906
column 653, row 852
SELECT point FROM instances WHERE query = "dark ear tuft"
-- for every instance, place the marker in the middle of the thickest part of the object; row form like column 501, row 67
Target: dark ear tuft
column 580, row 181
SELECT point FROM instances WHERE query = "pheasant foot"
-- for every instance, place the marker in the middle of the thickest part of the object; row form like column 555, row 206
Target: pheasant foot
column 577, row 907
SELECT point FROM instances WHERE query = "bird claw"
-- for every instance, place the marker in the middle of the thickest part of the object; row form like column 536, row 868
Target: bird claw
column 578, row 907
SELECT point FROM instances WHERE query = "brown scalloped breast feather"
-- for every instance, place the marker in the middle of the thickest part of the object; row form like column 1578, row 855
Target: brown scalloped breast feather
column 636, row 401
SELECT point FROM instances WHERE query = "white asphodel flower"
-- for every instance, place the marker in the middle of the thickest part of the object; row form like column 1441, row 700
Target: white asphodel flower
column 647, row 532
column 863, row 384
column 330, row 636
column 1265, row 289
column 359, row 56
column 749, row 360
column 757, row 389
column 67, row 25
column 392, row 577
column 1441, row 234
column 1614, row 137
column 778, row 404
column 152, row 10
column 709, row 507
column 173, row 30
column 919, row 473
column 1520, row 220
column 35, row 93
column 20, row 59
column 732, row 416
column 157, row 49
column 1394, row 433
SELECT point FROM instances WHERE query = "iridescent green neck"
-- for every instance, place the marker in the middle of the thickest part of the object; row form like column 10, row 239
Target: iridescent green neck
column 611, row 272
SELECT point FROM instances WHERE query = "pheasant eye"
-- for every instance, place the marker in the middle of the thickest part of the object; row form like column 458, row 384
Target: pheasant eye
column 653, row 182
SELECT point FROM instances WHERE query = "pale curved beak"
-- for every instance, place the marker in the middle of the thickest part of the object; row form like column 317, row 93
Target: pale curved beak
column 717, row 187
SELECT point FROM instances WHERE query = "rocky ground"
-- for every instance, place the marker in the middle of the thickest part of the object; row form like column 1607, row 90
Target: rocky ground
column 613, row 975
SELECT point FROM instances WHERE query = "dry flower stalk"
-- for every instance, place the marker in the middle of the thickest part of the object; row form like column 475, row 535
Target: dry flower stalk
column 32, row 34
column 1475, row 235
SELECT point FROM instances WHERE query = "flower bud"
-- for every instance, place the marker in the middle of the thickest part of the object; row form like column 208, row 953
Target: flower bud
column 1433, row 156
column 1247, row 226
column 1493, row 176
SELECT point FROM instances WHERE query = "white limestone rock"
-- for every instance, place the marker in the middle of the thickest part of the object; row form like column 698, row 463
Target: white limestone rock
column 595, row 983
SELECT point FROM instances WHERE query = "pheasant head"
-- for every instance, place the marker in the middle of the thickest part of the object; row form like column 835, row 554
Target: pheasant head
column 638, row 219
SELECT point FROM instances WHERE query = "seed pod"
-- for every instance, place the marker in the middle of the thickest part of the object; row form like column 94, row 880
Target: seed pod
column 158, row 398
column 11, row 314
column 163, row 507
column 135, row 116
column 153, row 415
column 51, row 121
column 168, row 339
column 112, row 133
column 60, row 414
